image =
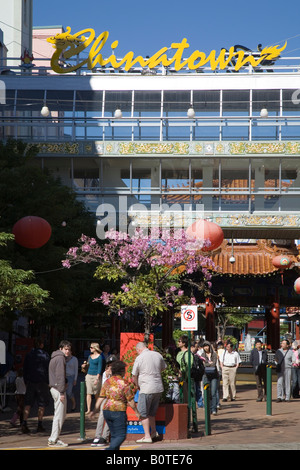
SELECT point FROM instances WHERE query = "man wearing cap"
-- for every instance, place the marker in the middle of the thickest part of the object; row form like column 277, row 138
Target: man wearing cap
column 146, row 374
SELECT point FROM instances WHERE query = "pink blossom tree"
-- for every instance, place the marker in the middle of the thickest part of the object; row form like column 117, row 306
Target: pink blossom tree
column 151, row 270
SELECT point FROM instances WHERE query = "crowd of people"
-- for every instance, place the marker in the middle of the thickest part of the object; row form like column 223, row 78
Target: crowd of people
column 214, row 364
column 220, row 362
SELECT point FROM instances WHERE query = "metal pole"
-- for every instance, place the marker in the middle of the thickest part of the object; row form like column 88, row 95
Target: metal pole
column 82, row 410
column 206, row 390
column 269, row 390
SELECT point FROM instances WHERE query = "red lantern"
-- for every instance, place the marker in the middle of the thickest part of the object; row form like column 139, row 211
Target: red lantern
column 32, row 232
column 297, row 286
column 281, row 262
column 206, row 230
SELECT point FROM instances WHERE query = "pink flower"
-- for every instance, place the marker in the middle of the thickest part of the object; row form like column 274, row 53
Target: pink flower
column 66, row 263
column 105, row 298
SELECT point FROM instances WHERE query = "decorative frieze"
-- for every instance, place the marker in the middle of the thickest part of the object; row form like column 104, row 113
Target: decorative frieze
column 192, row 148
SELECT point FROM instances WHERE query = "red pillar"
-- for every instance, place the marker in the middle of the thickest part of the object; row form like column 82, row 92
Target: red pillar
column 210, row 329
column 274, row 326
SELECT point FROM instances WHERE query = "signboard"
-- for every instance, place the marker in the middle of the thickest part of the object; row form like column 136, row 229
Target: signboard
column 69, row 46
column 189, row 318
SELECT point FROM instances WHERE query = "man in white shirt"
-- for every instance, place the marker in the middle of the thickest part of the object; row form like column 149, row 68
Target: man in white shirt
column 146, row 374
column 229, row 365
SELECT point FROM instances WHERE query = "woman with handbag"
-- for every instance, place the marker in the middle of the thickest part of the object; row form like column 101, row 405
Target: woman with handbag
column 93, row 376
column 211, row 374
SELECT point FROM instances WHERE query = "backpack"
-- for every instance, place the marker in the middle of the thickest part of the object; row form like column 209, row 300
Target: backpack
column 197, row 368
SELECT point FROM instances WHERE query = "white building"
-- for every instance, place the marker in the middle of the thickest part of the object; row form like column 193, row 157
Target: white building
column 16, row 24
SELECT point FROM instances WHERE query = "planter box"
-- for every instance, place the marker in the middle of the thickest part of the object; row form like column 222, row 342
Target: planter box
column 171, row 422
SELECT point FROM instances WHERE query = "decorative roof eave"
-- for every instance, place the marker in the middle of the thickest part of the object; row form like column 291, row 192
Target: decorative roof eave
column 251, row 259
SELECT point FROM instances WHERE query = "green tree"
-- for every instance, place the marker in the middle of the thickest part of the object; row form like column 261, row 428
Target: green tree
column 27, row 189
column 17, row 292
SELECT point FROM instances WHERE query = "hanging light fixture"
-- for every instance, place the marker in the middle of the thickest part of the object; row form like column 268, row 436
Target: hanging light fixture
column 118, row 113
column 45, row 111
column 232, row 257
column 264, row 113
column 191, row 112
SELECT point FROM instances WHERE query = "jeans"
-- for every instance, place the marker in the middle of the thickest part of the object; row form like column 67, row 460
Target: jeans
column 213, row 381
column 117, row 423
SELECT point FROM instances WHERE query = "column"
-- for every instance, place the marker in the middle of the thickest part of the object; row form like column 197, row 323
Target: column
column 210, row 329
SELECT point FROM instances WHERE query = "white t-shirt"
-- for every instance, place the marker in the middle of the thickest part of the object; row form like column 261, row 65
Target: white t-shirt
column 230, row 358
column 148, row 367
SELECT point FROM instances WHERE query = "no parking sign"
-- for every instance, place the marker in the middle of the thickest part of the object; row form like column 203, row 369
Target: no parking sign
column 189, row 318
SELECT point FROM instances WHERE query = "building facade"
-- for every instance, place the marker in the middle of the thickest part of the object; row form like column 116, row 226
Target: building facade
column 163, row 140
column 183, row 141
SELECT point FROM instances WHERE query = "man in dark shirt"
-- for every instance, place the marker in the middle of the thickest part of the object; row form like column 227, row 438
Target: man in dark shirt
column 259, row 359
column 35, row 372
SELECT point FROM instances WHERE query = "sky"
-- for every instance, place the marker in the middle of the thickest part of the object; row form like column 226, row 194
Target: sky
column 146, row 27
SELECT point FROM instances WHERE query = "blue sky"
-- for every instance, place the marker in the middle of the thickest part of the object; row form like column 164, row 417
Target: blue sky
column 145, row 27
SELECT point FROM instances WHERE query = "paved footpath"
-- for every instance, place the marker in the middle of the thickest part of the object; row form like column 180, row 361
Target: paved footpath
column 239, row 425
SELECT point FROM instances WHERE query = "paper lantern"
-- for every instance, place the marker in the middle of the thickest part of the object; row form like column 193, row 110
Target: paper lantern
column 281, row 262
column 206, row 230
column 297, row 286
column 32, row 232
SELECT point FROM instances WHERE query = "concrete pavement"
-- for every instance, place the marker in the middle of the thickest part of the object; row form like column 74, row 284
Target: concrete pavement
column 239, row 425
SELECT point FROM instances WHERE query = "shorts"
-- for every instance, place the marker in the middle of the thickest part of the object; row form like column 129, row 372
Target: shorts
column 37, row 392
column 148, row 404
column 91, row 387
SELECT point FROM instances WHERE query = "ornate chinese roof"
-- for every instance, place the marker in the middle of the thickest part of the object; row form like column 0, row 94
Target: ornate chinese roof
column 251, row 258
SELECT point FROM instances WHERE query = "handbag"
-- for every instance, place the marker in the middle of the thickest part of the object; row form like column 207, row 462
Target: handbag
column 209, row 370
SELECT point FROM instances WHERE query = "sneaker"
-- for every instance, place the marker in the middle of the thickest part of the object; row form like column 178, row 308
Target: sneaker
column 155, row 435
column 144, row 440
column 58, row 443
column 99, row 442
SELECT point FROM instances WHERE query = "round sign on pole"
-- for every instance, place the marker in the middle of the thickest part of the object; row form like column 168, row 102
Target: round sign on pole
column 189, row 318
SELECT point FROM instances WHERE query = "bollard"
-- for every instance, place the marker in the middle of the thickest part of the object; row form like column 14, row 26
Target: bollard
column 82, row 411
column 206, row 390
column 269, row 390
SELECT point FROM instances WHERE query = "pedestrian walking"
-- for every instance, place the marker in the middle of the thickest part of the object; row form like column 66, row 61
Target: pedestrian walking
column 19, row 395
column 72, row 375
column 93, row 377
column 102, row 429
column 116, row 394
column 35, row 374
column 211, row 374
column 58, row 386
column 146, row 375
column 230, row 362
column 296, row 369
column 284, row 360
column 259, row 360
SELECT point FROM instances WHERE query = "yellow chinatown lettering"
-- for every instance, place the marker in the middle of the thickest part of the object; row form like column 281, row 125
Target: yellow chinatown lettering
column 69, row 46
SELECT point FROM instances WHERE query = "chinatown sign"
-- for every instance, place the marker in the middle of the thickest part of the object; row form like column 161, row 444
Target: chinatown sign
column 69, row 46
